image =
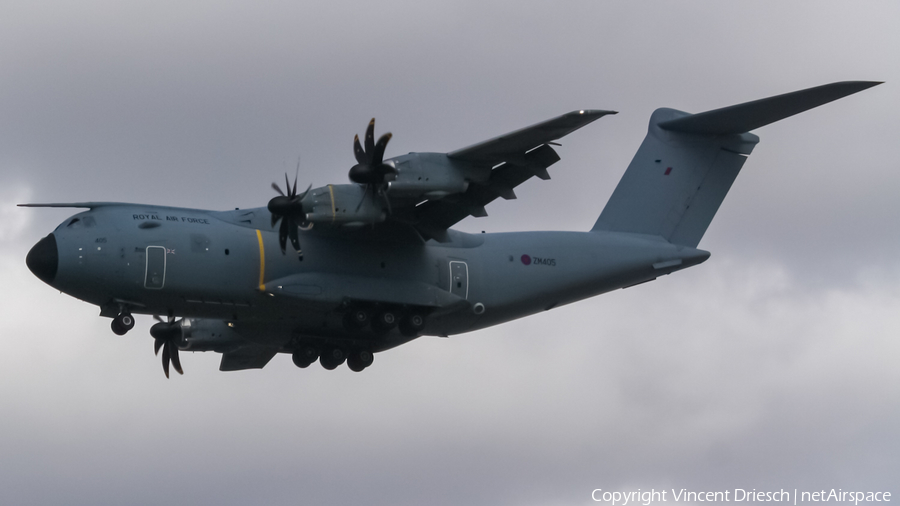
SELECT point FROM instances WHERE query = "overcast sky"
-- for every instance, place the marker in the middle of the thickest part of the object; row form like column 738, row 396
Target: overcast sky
column 772, row 365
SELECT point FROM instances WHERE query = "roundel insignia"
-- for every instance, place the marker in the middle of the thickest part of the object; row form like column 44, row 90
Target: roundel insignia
column 526, row 259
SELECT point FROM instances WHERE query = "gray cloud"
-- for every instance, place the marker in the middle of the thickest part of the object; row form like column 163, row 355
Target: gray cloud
column 772, row 365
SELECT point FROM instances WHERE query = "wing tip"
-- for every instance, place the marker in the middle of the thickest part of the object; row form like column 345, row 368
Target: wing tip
column 592, row 112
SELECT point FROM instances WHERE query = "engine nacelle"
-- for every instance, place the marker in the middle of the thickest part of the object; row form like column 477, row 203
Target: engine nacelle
column 208, row 335
column 345, row 204
column 430, row 175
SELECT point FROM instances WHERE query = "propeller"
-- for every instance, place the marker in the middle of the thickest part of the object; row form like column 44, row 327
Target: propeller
column 289, row 209
column 166, row 334
column 370, row 168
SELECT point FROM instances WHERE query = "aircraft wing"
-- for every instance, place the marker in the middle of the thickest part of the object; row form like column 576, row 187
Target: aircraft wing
column 85, row 205
column 511, row 159
column 516, row 144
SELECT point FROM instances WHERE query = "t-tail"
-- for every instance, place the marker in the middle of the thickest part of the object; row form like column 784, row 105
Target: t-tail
column 686, row 164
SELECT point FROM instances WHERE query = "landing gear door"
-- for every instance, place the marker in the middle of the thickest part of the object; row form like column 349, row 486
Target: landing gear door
column 459, row 279
column 155, row 271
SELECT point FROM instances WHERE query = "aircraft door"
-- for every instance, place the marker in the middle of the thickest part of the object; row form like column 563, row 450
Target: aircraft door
column 459, row 279
column 155, row 271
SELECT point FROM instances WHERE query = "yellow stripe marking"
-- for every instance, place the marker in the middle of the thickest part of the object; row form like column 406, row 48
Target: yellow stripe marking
column 333, row 210
column 262, row 262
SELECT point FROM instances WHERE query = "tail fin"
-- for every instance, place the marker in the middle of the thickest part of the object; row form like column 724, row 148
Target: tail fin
column 687, row 163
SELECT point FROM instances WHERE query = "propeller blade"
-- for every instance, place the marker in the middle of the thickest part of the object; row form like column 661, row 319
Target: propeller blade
column 378, row 153
column 358, row 151
column 370, row 167
column 165, row 358
column 166, row 335
column 365, row 192
column 288, row 208
column 295, row 240
column 283, row 233
column 157, row 318
column 370, row 141
column 387, row 201
column 176, row 362
column 303, row 195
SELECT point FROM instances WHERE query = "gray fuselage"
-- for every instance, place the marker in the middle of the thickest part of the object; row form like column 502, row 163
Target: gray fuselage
column 227, row 266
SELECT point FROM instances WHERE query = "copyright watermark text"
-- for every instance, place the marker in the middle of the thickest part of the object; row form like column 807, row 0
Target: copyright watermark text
column 652, row 496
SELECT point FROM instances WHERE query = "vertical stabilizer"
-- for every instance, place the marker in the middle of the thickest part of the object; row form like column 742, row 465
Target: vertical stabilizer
column 687, row 163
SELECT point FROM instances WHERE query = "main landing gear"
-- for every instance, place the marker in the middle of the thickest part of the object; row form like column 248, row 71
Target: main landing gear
column 383, row 320
column 365, row 323
column 360, row 360
column 331, row 357
column 305, row 355
column 122, row 323
column 412, row 324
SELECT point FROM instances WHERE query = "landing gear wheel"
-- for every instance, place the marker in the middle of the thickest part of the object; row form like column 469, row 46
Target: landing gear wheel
column 332, row 357
column 117, row 328
column 300, row 361
column 384, row 321
column 356, row 319
column 127, row 321
column 360, row 360
column 412, row 324
column 304, row 355
column 122, row 324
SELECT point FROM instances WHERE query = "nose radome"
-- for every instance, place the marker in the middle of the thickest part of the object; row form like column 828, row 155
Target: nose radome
column 43, row 259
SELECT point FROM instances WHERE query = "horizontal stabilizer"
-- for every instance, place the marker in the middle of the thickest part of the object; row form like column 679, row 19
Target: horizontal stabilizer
column 751, row 115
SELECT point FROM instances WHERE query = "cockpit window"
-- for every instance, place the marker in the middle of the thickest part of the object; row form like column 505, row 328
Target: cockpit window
column 82, row 222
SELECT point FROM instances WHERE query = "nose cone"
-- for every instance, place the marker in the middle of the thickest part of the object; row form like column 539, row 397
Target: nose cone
column 43, row 259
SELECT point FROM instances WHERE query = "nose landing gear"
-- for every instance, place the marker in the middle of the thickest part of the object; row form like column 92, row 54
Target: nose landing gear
column 122, row 323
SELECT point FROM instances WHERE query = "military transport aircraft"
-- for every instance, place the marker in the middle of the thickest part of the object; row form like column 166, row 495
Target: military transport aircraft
column 341, row 272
